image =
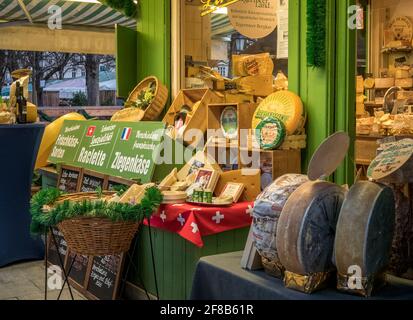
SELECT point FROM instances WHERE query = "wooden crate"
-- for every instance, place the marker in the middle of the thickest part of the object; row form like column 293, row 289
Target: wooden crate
column 176, row 259
column 190, row 97
column 245, row 112
column 274, row 163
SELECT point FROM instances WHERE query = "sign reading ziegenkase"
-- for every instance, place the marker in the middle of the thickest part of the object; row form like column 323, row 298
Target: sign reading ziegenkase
column 123, row 149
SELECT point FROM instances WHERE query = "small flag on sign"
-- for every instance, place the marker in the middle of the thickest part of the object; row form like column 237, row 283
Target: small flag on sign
column 126, row 133
column 90, row 131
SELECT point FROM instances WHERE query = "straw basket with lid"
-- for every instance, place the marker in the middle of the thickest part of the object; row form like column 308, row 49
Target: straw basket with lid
column 92, row 223
column 156, row 102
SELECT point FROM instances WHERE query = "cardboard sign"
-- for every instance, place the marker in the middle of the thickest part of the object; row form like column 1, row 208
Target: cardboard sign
column 254, row 19
column 123, row 149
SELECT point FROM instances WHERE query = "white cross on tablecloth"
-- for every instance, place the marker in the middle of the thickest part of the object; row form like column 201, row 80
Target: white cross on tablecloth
column 163, row 216
column 249, row 210
column 195, row 228
column 181, row 220
column 218, row 217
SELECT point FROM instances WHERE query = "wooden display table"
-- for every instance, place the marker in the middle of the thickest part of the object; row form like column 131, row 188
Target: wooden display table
column 18, row 153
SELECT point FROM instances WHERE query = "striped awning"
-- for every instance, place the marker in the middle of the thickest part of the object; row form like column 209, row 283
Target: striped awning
column 221, row 26
column 73, row 13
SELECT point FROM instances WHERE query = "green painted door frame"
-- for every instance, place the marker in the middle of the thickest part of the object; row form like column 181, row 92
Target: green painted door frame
column 328, row 93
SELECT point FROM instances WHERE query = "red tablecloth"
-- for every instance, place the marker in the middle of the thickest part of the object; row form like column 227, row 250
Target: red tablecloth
column 194, row 222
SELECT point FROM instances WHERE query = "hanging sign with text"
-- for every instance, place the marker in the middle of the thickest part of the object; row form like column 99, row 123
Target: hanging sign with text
column 254, row 19
column 123, row 149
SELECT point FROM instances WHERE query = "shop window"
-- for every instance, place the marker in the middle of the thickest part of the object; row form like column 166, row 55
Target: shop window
column 212, row 40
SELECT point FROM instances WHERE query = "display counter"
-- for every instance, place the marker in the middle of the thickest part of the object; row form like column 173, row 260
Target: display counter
column 220, row 277
column 17, row 156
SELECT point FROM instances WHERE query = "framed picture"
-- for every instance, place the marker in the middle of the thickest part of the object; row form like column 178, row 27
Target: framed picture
column 233, row 190
column 207, row 179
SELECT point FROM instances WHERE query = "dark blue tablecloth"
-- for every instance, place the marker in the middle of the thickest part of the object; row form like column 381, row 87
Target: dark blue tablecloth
column 19, row 145
column 222, row 278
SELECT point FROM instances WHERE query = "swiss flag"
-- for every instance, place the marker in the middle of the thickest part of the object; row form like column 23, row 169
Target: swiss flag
column 90, row 131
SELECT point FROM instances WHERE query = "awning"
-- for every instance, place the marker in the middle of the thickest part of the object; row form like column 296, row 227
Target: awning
column 73, row 13
column 86, row 27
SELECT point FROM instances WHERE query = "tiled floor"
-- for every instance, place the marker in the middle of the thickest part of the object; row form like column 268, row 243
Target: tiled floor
column 25, row 281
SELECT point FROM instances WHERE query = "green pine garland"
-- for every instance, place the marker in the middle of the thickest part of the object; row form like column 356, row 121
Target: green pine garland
column 114, row 211
column 128, row 7
column 316, row 33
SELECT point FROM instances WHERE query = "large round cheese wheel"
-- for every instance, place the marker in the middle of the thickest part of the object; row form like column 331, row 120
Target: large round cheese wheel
column 50, row 136
column 267, row 211
column 306, row 228
column 283, row 105
column 365, row 229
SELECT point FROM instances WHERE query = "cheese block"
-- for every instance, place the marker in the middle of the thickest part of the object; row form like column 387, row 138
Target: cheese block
column 128, row 115
column 364, row 234
column 135, row 193
column 306, row 228
column 402, row 95
column 170, row 179
column 255, row 85
column 384, row 83
column 270, row 133
column 402, row 73
column 369, row 83
column 283, row 105
column 404, row 83
column 359, row 84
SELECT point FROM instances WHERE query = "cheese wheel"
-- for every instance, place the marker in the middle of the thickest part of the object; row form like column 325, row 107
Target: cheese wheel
column 283, row 105
column 306, row 228
column 402, row 73
column 369, row 83
column 267, row 211
column 50, row 136
column 365, row 229
column 270, row 133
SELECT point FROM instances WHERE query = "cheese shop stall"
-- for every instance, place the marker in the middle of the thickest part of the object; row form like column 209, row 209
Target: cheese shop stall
column 221, row 146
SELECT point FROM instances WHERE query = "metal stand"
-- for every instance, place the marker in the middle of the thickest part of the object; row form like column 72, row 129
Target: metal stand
column 62, row 267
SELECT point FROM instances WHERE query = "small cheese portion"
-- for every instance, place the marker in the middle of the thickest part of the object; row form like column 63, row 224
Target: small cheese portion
column 283, row 105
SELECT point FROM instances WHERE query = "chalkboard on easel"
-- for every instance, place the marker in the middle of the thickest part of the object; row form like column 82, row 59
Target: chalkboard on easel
column 92, row 181
column 104, row 277
column 114, row 183
column 69, row 179
column 53, row 252
column 79, row 271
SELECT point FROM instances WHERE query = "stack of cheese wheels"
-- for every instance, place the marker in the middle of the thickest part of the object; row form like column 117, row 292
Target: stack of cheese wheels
column 266, row 213
column 384, row 83
column 364, row 236
column 306, row 228
column 283, row 105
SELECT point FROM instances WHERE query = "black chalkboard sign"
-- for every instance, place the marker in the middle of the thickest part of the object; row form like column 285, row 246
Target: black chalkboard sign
column 69, row 179
column 79, row 269
column 91, row 181
column 114, row 182
column 53, row 252
column 104, row 277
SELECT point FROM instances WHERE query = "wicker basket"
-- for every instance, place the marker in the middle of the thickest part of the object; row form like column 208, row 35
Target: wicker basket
column 154, row 110
column 90, row 236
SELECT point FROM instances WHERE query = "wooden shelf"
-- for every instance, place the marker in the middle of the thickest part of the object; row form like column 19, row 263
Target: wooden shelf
column 397, row 50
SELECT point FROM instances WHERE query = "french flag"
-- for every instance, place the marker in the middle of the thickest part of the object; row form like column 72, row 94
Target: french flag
column 126, row 133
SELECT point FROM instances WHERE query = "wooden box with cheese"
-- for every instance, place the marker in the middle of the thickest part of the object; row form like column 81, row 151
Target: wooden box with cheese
column 197, row 100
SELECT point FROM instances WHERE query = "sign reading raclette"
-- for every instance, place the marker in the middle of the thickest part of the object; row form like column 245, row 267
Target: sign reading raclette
column 123, row 149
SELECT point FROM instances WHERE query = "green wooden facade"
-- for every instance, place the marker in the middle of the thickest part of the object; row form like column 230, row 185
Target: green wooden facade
column 328, row 93
column 176, row 259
